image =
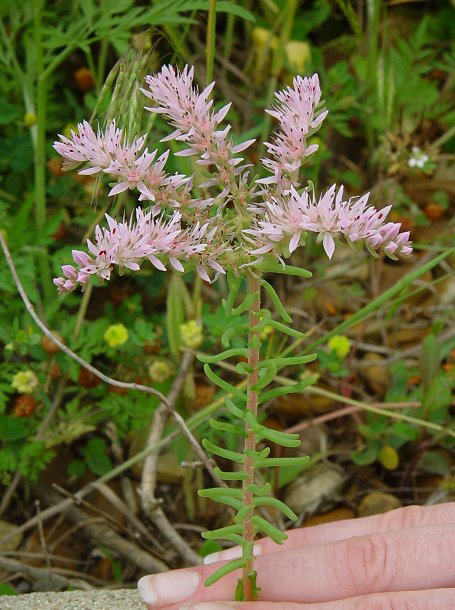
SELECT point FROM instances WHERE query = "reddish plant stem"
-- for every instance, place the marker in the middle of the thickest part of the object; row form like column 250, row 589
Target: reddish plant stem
column 250, row 441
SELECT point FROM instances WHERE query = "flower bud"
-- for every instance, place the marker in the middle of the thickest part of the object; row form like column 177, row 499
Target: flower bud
column 30, row 119
column 24, row 406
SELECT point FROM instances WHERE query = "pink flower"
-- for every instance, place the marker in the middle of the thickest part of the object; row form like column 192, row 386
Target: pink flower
column 110, row 153
column 98, row 150
column 196, row 123
column 127, row 245
column 284, row 221
column 298, row 117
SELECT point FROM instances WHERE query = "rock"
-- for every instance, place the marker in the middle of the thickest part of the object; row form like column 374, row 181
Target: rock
column 12, row 543
column 296, row 405
column 378, row 502
column 375, row 374
column 168, row 468
column 121, row 599
column 338, row 514
column 315, row 489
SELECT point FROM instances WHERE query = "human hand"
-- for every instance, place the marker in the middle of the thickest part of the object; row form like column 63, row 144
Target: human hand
column 401, row 560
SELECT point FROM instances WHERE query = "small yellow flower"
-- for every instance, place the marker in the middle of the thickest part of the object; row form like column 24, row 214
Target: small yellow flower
column 115, row 335
column 266, row 332
column 25, row 382
column 298, row 55
column 262, row 37
column 191, row 334
column 340, row 344
column 160, row 370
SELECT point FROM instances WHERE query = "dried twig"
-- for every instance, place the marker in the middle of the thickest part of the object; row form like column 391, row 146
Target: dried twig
column 7, row 496
column 150, row 504
column 113, row 498
column 105, row 536
column 61, row 506
column 342, row 412
column 51, row 576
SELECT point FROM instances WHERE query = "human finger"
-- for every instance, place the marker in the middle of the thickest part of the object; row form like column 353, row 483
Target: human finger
column 410, row 559
column 401, row 518
column 442, row 599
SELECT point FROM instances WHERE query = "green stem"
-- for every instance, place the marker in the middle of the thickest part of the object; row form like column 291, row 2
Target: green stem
column 41, row 99
column 373, row 12
column 40, row 149
column 250, row 440
column 287, row 16
column 228, row 40
column 177, row 38
column 211, row 38
column 82, row 311
column 102, row 59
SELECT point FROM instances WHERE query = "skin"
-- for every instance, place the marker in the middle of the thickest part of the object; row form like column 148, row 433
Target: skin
column 401, row 560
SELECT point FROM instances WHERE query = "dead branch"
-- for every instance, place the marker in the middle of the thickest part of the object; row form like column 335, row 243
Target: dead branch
column 104, row 535
column 150, row 504
column 48, row 575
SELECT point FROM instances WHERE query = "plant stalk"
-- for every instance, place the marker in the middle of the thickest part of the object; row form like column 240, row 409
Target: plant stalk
column 40, row 150
column 250, row 441
column 211, row 41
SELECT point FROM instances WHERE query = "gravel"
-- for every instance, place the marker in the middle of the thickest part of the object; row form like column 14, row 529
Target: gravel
column 121, row 599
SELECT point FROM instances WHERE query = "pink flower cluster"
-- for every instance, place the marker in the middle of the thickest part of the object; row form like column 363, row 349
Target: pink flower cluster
column 196, row 123
column 285, row 220
column 108, row 152
column 228, row 230
column 298, row 115
column 128, row 244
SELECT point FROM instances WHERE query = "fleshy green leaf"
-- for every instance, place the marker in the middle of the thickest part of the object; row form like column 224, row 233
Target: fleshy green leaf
column 229, row 567
column 239, row 351
column 224, row 453
column 230, row 476
column 292, row 332
column 276, row 301
column 289, row 361
column 287, row 461
column 236, row 528
column 261, row 525
column 266, row 376
column 224, row 385
column 260, row 491
column 290, row 514
column 232, row 408
column 280, row 438
column 226, row 427
column 268, row 267
column 289, row 389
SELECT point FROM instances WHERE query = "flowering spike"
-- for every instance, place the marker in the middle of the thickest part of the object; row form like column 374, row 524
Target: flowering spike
column 191, row 113
column 284, row 221
column 298, row 118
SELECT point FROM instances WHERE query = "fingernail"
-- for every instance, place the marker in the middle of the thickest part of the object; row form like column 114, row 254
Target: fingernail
column 168, row 588
column 233, row 553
